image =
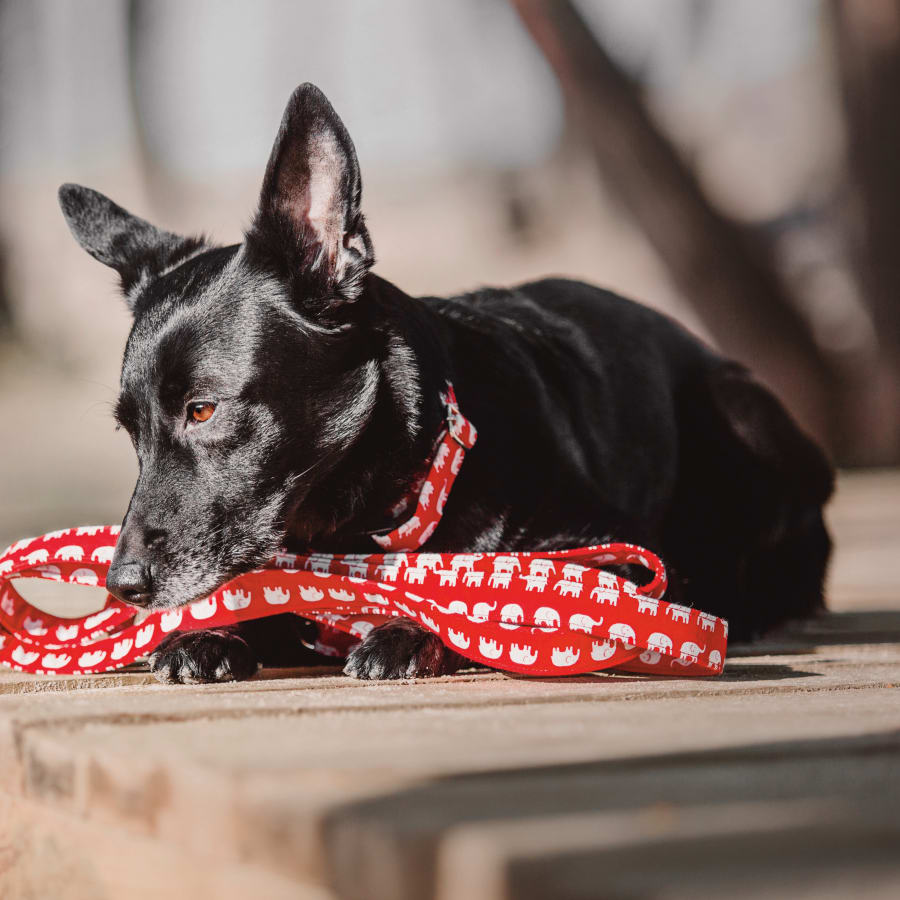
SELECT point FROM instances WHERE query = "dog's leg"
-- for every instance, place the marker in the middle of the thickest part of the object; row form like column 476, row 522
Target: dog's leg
column 401, row 649
column 234, row 652
column 199, row 657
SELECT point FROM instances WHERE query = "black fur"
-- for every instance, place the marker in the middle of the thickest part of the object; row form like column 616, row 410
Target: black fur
column 597, row 417
column 401, row 649
column 196, row 657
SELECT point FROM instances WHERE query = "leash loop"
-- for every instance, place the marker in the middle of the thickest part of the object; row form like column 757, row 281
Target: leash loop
column 554, row 613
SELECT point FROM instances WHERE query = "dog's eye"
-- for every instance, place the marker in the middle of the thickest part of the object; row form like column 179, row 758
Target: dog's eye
column 202, row 411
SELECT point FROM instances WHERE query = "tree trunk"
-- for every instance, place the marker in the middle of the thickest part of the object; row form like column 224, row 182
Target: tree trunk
column 867, row 34
column 711, row 259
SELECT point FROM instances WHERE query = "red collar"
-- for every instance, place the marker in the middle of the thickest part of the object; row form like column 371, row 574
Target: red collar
column 455, row 439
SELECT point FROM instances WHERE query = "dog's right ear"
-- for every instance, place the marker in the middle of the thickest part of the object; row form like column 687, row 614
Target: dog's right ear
column 133, row 247
column 309, row 224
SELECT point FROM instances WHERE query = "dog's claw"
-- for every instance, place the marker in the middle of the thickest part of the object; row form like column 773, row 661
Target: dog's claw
column 201, row 657
column 400, row 649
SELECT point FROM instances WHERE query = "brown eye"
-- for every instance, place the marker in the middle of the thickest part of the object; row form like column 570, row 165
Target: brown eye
column 202, row 412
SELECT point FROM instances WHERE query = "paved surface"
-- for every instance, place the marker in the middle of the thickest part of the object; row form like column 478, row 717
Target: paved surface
column 779, row 778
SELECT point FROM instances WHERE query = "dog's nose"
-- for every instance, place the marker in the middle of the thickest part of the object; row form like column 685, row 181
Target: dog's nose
column 130, row 581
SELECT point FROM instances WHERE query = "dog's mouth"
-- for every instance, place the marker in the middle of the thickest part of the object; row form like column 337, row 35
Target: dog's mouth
column 199, row 555
column 179, row 587
column 165, row 597
column 157, row 600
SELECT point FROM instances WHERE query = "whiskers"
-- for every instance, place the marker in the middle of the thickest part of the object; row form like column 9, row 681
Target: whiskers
column 294, row 479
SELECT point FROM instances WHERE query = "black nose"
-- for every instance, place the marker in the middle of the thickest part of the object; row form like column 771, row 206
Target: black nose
column 130, row 581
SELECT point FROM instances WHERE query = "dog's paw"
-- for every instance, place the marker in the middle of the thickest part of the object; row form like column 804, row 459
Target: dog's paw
column 401, row 649
column 199, row 657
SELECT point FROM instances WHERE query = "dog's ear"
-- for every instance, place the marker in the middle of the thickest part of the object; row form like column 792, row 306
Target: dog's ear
column 309, row 223
column 134, row 248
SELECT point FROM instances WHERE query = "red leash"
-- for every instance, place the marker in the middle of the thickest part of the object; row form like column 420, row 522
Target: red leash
column 549, row 613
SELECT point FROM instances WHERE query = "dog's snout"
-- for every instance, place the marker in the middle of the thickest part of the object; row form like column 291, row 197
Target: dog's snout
column 131, row 582
column 129, row 577
column 154, row 538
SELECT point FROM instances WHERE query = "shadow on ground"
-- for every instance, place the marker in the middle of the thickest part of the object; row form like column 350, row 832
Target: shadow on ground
column 834, row 796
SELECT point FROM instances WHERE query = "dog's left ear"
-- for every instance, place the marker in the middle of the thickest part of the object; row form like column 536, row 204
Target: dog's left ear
column 117, row 238
column 309, row 223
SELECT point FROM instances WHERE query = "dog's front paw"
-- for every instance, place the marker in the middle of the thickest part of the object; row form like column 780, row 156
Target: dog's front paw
column 199, row 657
column 401, row 649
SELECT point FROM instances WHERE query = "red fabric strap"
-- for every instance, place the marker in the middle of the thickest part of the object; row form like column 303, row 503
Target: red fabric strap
column 455, row 439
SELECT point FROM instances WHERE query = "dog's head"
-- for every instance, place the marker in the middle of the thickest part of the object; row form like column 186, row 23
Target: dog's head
column 249, row 371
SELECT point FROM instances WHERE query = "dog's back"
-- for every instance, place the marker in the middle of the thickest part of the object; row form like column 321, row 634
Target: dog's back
column 692, row 455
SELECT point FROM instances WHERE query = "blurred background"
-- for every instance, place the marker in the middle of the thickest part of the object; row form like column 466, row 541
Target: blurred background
column 735, row 164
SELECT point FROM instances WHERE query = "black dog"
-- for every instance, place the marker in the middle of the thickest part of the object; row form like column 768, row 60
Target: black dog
column 277, row 392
